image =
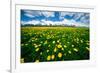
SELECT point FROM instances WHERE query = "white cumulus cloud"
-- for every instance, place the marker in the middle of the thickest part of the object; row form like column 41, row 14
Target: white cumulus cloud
column 47, row 13
column 32, row 13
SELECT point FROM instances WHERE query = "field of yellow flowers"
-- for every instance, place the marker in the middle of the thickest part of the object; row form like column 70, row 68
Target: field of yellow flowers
column 43, row 44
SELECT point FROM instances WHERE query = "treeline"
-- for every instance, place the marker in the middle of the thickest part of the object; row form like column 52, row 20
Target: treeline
column 31, row 25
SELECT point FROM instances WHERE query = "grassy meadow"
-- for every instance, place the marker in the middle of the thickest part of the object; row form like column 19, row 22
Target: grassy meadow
column 44, row 44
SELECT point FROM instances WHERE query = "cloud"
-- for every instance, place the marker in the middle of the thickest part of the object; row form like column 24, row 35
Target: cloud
column 29, row 15
column 82, row 17
column 85, row 19
column 48, row 14
column 35, row 22
column 48, row 22
column 63, row 14
column 36, row 13
column 50, row 17
column 32, row 13
column 67, row 13
column 77, row 16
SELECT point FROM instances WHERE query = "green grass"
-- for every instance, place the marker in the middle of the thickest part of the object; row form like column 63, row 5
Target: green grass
column 43, row 44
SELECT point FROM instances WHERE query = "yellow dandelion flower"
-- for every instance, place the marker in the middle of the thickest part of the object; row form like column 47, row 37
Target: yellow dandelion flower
column 69, row 52
column 45, row 42
column 47, row 50
column 35, row 38
column 68, row 42
column 58, row 41
column 37, row 61
column 65, row 46
column 40, row 53
column 41, row 42
column 53, row 42
column 76, row 50
column 60, row 55
column 48, row 58
column 36, row 46
column 62, row 48
column 52, row 57
column 72, row 45
column 37, row 49
column 87, row 43
column 59, row 46
column 55, row 49
column 26, row 44
column 48, row 45
column 32, row 40
column 77, row 39
column 22, row 60
column 81, row 41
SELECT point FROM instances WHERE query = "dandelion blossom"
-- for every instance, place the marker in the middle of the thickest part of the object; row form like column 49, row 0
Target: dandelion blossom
column 53, row 42
column 81, row 41
column 72, row 45
column 45, row 42
column 76, row 50
column 87, row 43
column 60, row 55
column 65, row 46
column 48, row 58
column 47, row 50
column 26, row 44
column 58, row 41
column 37, row 49
column 55, row 49
column 59, row 46
column 36, row 46
column 62, row 48
column 48, row 45
column 40, row 53
column 52, row 57
column 68, row 42
column 69, row 52
column 41, row 42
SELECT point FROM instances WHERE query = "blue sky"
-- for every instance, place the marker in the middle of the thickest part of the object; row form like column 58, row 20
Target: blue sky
column 55, row 17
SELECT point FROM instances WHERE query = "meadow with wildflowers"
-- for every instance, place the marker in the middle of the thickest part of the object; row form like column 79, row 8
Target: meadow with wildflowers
column 44, row 44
